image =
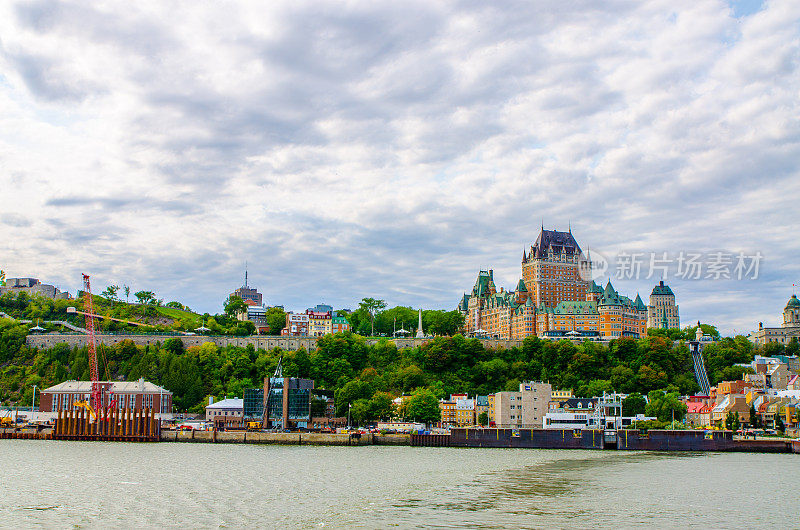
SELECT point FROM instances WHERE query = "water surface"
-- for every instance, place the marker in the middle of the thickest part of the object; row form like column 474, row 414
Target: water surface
column 123, row 485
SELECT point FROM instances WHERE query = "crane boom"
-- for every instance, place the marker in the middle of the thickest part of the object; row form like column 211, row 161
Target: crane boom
column 89, row 307
column 267, row 385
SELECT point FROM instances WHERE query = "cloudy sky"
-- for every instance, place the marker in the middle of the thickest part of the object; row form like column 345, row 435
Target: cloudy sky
column 358, row 149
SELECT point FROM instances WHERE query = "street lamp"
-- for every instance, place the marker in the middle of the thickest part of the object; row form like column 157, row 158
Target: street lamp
column 349, row 406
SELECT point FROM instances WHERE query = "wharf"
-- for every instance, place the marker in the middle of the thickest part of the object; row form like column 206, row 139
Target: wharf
column 283, row 438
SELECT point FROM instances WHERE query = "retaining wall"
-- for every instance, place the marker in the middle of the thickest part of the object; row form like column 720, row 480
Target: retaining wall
column 529, row 438
column 49, row 340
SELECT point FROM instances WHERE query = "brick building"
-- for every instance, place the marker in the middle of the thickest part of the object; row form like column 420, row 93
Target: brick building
column 136, row 395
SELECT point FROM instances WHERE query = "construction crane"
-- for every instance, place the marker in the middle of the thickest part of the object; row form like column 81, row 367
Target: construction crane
column 95, row 402
column 267, row 385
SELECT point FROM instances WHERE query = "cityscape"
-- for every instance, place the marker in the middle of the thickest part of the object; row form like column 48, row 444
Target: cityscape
column 361, row 265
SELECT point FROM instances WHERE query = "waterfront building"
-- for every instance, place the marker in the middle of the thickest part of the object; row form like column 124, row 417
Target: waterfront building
column 465, row 412
column 136, row 395
column 790, row 328
column 551, row 299
column 226, row 414
column 32, row 286
column 289, row 402
column 481, row 406
column 662, row 313
column 523, row 409
column 602, row 413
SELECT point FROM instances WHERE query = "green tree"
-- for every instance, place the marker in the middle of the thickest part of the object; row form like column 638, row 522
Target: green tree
column 753, row 417
column 779, row 425
column 111, row 292
column 483, row 418
column 662, row 405
column 381, row 406
column 729, row 419
column 634, row 404
column 372, row 306
column 423, row 406
column 276, row 320
column 234, row 305
column 145, row 298
column 736, row 421
column 127, row 290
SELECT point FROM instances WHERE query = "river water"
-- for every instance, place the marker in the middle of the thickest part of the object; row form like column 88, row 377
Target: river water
column 125, row 485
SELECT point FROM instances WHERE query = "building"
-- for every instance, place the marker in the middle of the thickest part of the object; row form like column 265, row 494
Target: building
column 524, row 409
column 481, row 406
column 246, row 293
column 662, row 313
column 319, row 323
column 560, row 395
column 555, row 270
column 465, row 412
column 601, row 413
column 289, row 402
column 790, row 328
column 32, row 286
column 731, row 387
column 552, row 299
column 136, row 395
column 339, row 323
column 296, row 325
column 226, row 414
column 605, row 314
column 315, row 323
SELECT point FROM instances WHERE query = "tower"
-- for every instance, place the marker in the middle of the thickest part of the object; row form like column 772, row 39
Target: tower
column 420, row 333
column 554, row 269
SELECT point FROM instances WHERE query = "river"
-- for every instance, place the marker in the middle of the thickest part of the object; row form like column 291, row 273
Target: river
column 125, row 485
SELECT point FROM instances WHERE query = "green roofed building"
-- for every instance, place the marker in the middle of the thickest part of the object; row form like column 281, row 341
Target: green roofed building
column 662, row 313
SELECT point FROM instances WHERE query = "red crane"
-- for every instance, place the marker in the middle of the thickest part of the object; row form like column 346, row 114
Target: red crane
column 88, row 307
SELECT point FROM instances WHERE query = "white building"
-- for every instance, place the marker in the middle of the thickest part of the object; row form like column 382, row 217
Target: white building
column 229, row 411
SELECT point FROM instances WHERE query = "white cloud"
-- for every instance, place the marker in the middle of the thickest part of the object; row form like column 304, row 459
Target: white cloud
column 366, row 150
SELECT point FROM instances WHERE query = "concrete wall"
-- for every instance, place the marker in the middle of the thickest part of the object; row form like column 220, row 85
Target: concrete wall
column 258, row 341
column 528, row 438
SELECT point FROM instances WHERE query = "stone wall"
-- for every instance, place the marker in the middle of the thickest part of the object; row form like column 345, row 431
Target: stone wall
column 258, row 341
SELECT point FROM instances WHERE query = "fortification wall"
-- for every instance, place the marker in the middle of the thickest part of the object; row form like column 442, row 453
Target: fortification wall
column 258, row 341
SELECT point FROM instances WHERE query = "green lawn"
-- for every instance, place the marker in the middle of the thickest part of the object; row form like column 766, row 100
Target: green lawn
column 179, row 314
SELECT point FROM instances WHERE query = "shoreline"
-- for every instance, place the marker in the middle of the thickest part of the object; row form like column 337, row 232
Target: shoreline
column 630, row 440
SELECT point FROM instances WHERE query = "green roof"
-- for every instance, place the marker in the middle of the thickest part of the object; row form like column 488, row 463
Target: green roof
column 662, row 289
column 793, row 302
column 521, row 287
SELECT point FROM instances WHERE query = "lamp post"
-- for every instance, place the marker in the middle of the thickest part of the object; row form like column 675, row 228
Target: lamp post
column 349, row 406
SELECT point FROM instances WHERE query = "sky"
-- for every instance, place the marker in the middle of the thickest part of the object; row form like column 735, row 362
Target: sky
column 391, row 150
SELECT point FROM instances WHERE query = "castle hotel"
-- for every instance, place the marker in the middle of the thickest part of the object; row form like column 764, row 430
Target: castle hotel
column 556, row 298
